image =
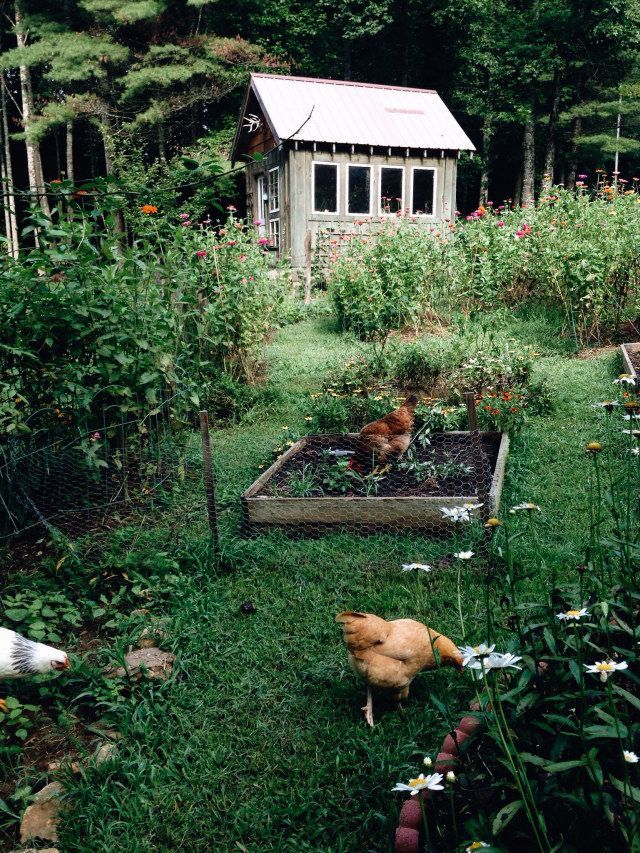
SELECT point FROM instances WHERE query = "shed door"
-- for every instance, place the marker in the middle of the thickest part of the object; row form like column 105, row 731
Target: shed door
column 262, row 210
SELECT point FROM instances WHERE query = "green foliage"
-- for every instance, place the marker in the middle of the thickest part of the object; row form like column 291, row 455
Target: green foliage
column 43, row 617
column 93, row 324
column 576, row 252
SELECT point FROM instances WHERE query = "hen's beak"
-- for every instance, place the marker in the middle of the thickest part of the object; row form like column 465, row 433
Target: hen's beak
column 61, row 664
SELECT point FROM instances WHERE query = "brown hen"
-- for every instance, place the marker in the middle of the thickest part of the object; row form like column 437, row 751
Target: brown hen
column 390, row 434
column 389, row 654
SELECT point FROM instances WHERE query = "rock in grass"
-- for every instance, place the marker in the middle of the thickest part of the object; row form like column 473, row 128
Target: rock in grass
column 40, row 819
column 104, row 753
column 158, row 664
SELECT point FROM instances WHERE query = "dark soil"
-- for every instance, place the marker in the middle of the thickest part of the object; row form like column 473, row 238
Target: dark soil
column 396, row 482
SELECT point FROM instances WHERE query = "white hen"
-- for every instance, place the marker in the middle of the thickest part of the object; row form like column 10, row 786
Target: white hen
column 20, row 657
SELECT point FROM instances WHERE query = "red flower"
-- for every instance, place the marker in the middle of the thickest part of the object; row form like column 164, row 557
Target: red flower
column 201, row 253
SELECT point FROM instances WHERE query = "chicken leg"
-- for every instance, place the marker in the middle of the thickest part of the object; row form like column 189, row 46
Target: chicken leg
column 368, row 708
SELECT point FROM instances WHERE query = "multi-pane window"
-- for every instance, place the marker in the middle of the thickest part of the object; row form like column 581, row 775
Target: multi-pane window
column 359, row 189
column 274, row 190
column 423, row 187
column 325, row 187
column 261, row 204
column 391, row 189
column 274, row 233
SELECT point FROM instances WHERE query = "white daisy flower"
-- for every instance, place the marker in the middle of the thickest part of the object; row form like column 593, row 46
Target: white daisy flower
column 526, row 506
column 451, row 777
column 471, row 506
column 606, row 404
column 477, row 845
column 631, row 417
column 635, row 451
column 495, row 661
column 432, row 782
column 455, row 513
column 572, row 614
column 464, row 555
column 409, row 567
column 471, row 652
column 624, row 378
column 635, row 432
column 427, row 761
column 630, row 757
column 605, row 668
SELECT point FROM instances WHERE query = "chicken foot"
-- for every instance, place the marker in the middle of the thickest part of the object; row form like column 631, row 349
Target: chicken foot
column 368, row 708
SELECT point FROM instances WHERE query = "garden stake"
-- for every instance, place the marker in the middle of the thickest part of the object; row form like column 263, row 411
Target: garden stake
column 209, row 484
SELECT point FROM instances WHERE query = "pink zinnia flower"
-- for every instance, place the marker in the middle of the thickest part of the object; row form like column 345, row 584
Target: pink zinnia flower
column 95, row 436
column 232, row 208
column 582, row 177
column 262, row 241
column 257, row 221
column 232, row 242
column 186, row 223
column 201, row 253
column 184, row 216
column 242, row 258
column 501, row 224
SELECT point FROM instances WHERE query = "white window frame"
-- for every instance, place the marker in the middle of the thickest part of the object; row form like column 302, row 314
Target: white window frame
column 272, row 227
column 435, row 194
column 336, row 166
column 346, row 198
column 382, row 212
column 270, row 197
column 261, row 197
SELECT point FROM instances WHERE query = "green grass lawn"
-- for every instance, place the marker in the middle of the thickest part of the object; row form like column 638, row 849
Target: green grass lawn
column 258, row 743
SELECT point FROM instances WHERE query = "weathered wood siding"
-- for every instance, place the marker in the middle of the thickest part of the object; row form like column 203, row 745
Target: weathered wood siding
column 300, row 184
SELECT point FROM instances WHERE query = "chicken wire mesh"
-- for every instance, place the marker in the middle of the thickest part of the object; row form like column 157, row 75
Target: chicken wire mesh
column 423, row 486
column 68, row 479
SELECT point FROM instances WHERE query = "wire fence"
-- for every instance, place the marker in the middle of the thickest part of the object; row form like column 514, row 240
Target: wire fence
column 322, row 485
column 70, row 480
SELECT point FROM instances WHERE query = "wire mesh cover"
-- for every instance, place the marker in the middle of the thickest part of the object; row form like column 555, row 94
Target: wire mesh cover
column 326, row 482
column 76, row 484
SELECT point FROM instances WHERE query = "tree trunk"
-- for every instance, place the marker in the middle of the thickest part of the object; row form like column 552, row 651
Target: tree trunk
column 576, row 130
column 106, row 127
column 346, row 59
column 517, row 190
column 162, row 145
column 34, row 161
column 529, row 158
column 10, row 210
column 70, row 151
column 487, row 134
column 550, row 153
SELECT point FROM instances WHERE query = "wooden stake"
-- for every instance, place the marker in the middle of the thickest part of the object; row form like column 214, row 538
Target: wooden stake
column 209, row 483
column 307, row 267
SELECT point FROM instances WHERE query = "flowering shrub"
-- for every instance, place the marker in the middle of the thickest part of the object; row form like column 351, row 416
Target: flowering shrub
column 577, row 251
column 91, row 324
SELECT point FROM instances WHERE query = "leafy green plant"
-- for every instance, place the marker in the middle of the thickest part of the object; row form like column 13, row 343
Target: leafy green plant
column 45, row 617
column 16, row 720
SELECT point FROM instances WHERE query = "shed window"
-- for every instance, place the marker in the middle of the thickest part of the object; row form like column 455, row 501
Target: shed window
column 391, row 189
column 359, row 189
column 423, row 186
column 274, row 190
column 274, row 233
column 325, row 187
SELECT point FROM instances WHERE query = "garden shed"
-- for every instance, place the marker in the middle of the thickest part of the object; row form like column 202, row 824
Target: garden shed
column 325, row 155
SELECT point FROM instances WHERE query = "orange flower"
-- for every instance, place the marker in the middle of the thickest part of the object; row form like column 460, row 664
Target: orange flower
column 79, row 193
column 148, row 208
column 56, row 181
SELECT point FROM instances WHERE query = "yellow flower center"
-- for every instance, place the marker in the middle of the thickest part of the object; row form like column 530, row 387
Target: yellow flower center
column 477, row 845
column 415, row 782
column 604, row 667
column 572, row 613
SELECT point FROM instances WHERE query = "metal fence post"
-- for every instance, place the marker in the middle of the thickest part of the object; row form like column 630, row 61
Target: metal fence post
column 209, row 483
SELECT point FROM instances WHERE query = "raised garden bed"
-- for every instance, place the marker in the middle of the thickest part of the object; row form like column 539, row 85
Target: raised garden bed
column 399, row 500
column 631, row 361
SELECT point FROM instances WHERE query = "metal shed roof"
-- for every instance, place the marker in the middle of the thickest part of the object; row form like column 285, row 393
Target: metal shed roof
column 357, row 113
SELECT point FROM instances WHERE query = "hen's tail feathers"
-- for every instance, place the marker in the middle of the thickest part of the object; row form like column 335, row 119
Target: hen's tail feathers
column 362, row 630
